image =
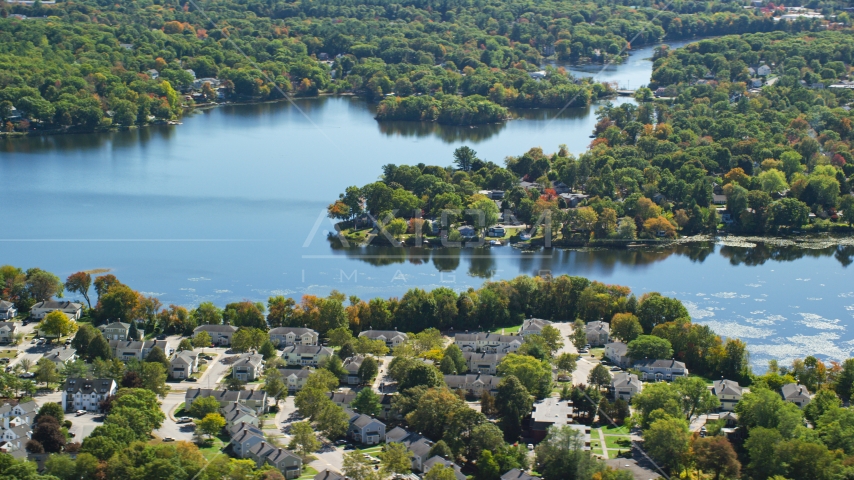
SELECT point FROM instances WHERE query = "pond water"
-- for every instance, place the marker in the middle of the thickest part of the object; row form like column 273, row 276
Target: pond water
column 231, row 205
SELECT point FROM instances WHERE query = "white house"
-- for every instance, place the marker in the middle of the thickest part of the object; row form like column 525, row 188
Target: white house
column 368, row 430
column 7, row 310
column 392, row 338
column 7, row 332
column 728, row 393
column 220, row 334
column 533, row 326
column 797, row 394
column 473, row 383
column 70, row 309
column 287, row 336
column 488, row 342
column 61, row 356
column 625, row 385
column 86, row 393
column 661, row 369
column 598, row 333
column 183, row 364
column 617, row 352
column 310, row 355
column 483, row 362
column 295, row 378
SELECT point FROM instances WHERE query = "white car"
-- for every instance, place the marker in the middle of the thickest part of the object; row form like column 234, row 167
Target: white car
column 80, row 412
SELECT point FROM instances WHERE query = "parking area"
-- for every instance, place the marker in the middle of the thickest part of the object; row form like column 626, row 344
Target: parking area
column 82, row 425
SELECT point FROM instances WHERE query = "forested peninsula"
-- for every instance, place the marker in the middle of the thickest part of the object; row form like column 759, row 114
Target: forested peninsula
column 87, row 65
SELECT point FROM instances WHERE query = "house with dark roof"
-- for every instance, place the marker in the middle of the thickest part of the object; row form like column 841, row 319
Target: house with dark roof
column 368, row 430
column 437, row 460
column 220, row 334
column 287, row 336
column 248, row 367
column 420, row 448
column 238, row 416
column 61, row 356
column 797, row 394
column 533, row 326
column 553, row 411
column 243, row 440
column 306, row 355
column 598, row 333
column 255, row 399
column 618, row 354
column 235, row 429
column 70, row 309
column 124, row 350
column 7, row 310
column 658, row 370
column 342, row 398
column 283, row 460
column 352, row 364
column 392, row 338
column 329, row 475
column 295, row 378
column 118, row 331
column 86, row 393
column 7, row 332
column 517, row 474
column 728, row 392
column 183, row 364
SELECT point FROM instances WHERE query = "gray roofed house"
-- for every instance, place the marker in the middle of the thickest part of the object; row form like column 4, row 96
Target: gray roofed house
column 286, row 462
column 517, row 474
column 328, row 475
column 533, row 326
column 61, row 356
column 342, row 399
column 86, row 393
column 7, row 310
column 367, row 430
column 473, row 383
column 310, row 355
column 70, row 309
column 235, row 429
column 437, row 460
column 220, row 334
column 183, row 364
column 295, row 378
column 248, row 366
column 117, row 331
column 7, row 332
column 256, row 399
column 244, row 439
column 397, row 434
column 483, row 362
column 237, row 416
column 625, row 385
column 617, row 352
column 797, row 394
column 488, row 342
column 661, row 369
column 553, row 411
column 392, row 338
column 352, row 364
column 420, row 448
column 126, row 349
column 728, row 392
column 598, row 333
column 286, row 336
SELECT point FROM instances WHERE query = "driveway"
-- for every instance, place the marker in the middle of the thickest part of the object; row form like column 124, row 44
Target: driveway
column 582, row 371
column 170, row 428
column 383, row 383
column 329, row 457
column 83, row 425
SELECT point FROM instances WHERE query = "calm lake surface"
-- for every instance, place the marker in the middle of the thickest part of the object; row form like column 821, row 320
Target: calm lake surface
column 231, row 205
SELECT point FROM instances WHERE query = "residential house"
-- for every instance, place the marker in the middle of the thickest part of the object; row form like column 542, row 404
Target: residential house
column 233, row 431
column 13, row 440
column 625, row 385
column 12, row 413
column 553, row 411
column 118, row 331
column 295, row 378
column 352, row 364
column 368, row 430
column 70, row 309
column 153, row 73
column 244, row 439
column 287, row 336
column 342, row 399
column 618, row 354
column 598, row 333
column 283, row 460
column 728, row 392
column 184, row 364
column 7, row 332
column 573, row 199
column 16, row 421
column 248, row 367
column 392, row 338
column 483, row 362
column 62, row 356
column 237, row 414
column 538, row 75
column 396, row 435
column 220, row 334
column 420, row 448
column 86, row 393
column 488, row 342
column 255, row 399
column 311, row 355
column 126, row 349
column 329, row 475
column 7, row 310
column 797, row 394
column 473, row 384
column 661, row 369
column 763, row 70
column 517, row 474
column 533, row 326
column 437, row 460
column 387, row 413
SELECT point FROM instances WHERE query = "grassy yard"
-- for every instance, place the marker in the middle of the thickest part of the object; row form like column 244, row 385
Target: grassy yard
column 8, row 353
column 373, row 451
column 308, row 473
column 708, row 381
column 209, row 451
column 598, row 353
column 507, row 330
column 610, row 430
column 622, row 442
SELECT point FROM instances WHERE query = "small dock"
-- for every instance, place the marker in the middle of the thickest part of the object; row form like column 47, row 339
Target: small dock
column 626, row 93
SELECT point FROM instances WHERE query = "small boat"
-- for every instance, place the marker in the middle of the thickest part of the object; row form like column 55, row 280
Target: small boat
column 525, row 237
column 495, row 243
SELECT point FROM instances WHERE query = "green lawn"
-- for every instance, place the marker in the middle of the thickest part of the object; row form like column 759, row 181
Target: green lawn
column 308, row 473
column 708, row 381
column 508, row 330
column 373, row 451
column 214, row 449
column 8, row 353
column 618, row 441
column 611, row 430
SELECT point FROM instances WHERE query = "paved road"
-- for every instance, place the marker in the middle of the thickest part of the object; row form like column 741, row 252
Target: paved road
column 170, row 427
column 83, row 425
column 383, row 380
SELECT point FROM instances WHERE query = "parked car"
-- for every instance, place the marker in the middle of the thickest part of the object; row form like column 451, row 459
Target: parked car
column 80, row 412
column 168, row 439
column 4, row 360
column 27, row 375
column 185, row 420
column 161, row 337
column 530, row 446
column 615, row 368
